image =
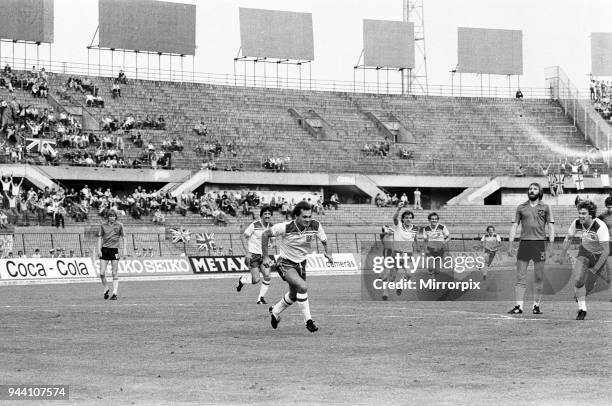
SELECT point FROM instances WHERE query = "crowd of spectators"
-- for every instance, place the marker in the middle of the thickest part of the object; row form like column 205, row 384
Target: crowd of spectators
column 35, row 81
column 601, row 95
column 132, row 122
column 380, row 149
column 386, row 200
column 276, row 164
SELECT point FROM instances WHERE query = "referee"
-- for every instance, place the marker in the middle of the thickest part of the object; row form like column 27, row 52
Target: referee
column 108, row 247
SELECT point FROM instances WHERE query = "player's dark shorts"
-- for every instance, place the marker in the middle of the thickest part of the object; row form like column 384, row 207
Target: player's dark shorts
column 590, row 259
column 389, row 252
column 434, row 252
column 110, row 254
column 532, row 250
column 490, row 255
column 283, row 265
column 256, row 261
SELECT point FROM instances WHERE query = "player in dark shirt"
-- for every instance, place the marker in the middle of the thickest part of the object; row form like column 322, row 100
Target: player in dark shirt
column 533, row 216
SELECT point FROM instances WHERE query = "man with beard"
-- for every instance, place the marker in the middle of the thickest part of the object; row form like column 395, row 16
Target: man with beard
column 254, row 258
column 533, row 216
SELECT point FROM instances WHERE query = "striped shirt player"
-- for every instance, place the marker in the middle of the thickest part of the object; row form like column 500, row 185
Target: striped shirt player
column 294, row 240
column 436, row 235
column 491, row 242
column 533, row 216
column 606, row 217
column 404, row 239
column 592, row 252
column 254, row 258
column 109, row 236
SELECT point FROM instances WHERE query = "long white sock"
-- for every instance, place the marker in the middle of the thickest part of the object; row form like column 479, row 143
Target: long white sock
column 246, row 279
column 519, row 293
column 103, row 279
column 263, row 289
column 115, row 285
column 302, row 299
column 282, row 304
column 580, row 296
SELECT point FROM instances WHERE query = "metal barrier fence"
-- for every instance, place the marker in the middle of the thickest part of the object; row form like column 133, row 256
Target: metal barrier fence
column 246, row 80
column 577, row 105
column 157, row 244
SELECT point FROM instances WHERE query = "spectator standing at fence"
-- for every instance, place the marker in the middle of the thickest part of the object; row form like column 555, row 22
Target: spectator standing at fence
column 417, row 200
column 108, row 243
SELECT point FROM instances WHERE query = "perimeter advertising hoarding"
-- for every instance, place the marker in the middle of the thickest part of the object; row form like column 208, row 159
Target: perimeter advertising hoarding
column 276, row 34
column 46, row 268
column 388, row 44
column 601, row 53
column 145, row 25
column 27, row 20
column 490, row 51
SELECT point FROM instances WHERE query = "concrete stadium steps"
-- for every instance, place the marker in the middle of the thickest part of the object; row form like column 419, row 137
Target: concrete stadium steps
column 454, row 135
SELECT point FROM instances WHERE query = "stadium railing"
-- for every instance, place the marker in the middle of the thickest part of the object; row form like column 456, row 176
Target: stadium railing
column 245, row 80
column 160, row 244
column 577, row 105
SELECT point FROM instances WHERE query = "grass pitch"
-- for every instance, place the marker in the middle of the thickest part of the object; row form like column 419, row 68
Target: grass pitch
column 201, row 342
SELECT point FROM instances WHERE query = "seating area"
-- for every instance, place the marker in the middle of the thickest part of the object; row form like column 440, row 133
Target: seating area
column 346, row 228
column 463, row 136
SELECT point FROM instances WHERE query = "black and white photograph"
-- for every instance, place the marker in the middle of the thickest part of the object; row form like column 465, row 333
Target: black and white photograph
column 320, row 202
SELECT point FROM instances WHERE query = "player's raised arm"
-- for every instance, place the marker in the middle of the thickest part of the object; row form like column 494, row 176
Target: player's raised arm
column 396, row 215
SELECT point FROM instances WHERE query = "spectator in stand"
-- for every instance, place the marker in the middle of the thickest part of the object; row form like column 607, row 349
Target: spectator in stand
column 318, row 207
column 116, row 90
column 417, row 199
column 394, row 200
column 36, row 253
column 3, row 219
column 519, row 94
column 201, row 129
column 158, row 217
column 405, row 153
column 334, row 201
column 122, row 78
column 219, row 217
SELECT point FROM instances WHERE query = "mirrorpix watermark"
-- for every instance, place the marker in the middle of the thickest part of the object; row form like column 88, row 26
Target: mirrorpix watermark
column 417, row 272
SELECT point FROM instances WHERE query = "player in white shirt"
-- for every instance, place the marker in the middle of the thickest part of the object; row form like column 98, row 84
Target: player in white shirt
column 592, row 253
column 437, row 237
column 294, row 240
column 253, row 257
column 491, row 242
column 404, row 235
